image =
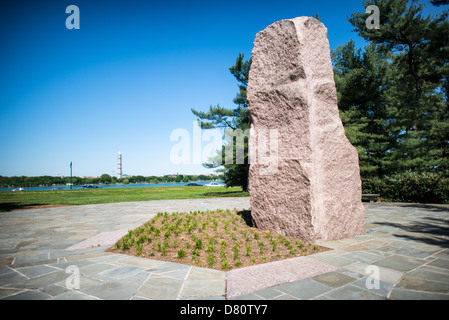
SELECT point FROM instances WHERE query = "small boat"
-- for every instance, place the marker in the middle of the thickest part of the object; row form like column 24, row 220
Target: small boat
column 215, row 184
column 90, row 186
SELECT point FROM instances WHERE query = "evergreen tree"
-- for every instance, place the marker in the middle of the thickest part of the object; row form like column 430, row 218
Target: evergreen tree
column 439, row 2
column 360, row 81
column 234, row 174
column 416, row 86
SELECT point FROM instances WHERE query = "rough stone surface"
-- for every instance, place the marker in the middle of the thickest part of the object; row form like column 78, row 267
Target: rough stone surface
column 315, row 191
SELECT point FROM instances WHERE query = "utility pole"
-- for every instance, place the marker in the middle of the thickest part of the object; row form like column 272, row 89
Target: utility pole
column 71, row 175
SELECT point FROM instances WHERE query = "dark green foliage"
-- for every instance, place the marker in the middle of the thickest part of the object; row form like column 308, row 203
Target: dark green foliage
column 393, row 101
column 235, row 174
column 439, row 2
column 360, row 80
column 410, row 186
column 413, row 52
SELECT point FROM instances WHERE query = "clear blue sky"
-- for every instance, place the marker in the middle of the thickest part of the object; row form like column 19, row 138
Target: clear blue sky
column 127, row 78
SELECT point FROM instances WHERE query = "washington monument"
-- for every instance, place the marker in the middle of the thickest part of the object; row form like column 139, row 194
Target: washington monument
column 119, row 168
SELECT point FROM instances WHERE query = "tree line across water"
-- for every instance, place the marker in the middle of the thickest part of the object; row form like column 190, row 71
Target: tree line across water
column 36, row 181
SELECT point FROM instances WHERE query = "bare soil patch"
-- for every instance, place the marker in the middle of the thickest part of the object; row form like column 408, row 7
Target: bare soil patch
column 218, row 239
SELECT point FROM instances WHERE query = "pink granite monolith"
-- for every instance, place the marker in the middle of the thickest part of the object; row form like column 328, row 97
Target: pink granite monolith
column 308, row 184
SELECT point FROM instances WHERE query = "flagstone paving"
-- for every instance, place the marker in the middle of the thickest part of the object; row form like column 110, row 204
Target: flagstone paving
column 403, row 255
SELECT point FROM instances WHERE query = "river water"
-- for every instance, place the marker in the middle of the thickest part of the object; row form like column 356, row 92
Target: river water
column 172, row 184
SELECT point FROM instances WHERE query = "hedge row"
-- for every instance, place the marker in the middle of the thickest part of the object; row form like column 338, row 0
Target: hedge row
column 410, row 187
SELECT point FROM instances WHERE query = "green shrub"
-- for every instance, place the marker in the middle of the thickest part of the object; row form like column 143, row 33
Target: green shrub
column 141, row 239
column 410, row 186
column 125, row 245
column 224, row 265
column 198, row 243
column 181, row 253
column 248, row 250
column 373, row 186
column 210, row 259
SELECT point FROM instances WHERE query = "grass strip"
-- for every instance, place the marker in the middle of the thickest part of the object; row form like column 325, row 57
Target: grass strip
column 10, row 200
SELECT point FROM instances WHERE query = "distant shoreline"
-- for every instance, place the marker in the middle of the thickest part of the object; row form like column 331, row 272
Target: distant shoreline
column 118, row 185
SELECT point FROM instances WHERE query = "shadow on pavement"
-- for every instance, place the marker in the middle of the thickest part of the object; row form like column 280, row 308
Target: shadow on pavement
column 433, row 231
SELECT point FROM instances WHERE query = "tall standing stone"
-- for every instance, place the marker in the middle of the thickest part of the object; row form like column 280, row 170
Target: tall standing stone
column 315, row 191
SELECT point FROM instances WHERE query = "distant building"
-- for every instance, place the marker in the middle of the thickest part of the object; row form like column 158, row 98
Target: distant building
column 119, row 169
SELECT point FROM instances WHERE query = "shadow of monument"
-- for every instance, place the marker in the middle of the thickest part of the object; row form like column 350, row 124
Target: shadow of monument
column 246, row 215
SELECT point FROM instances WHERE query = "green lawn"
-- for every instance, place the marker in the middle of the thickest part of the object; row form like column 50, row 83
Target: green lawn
column 10, row 200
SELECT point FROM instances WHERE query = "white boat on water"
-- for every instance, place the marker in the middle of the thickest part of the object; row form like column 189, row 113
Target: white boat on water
column 215, row 184
column 19, row 189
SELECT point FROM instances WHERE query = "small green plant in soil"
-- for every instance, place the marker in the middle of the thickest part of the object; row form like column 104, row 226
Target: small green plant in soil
column 181, row 253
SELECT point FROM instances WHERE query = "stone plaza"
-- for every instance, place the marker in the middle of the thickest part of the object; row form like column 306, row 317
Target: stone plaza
column 403, row 255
